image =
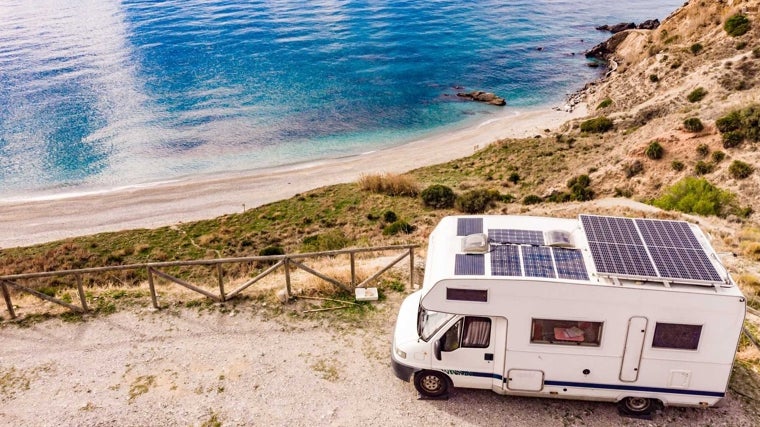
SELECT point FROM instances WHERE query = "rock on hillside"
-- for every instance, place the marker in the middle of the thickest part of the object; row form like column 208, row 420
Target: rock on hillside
column 651, row 73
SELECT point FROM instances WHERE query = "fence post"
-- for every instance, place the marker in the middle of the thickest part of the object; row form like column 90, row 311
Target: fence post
column 353, row 270
column 82, row 298
column 411, row 268
column 220, row 274
column 152, row 288
column 7, row 296
column 286, row 265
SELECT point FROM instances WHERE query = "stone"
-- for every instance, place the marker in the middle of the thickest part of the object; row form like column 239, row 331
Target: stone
column 486, row 97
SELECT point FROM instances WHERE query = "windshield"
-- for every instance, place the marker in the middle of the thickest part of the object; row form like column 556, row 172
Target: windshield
column 428, row 322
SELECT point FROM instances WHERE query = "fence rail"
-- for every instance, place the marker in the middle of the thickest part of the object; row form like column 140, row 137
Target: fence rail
column 156, row 269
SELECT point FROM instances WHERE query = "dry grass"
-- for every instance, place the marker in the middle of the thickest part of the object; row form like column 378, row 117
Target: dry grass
column 390, row 184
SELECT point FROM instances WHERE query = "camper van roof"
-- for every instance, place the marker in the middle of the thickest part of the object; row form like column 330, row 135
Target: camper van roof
column 591, row 249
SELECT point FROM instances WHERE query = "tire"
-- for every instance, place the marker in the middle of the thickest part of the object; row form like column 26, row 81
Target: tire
column 431, row 383
column 637, row 405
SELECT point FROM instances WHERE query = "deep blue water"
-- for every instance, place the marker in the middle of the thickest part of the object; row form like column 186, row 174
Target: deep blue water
column 102, row 94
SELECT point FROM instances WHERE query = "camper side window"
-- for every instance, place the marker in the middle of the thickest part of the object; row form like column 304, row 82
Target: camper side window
column 677, row 336
column 471, row 332
column 553, row 331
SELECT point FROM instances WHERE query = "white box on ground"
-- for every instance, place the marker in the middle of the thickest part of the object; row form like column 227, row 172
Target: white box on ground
column 366, row 294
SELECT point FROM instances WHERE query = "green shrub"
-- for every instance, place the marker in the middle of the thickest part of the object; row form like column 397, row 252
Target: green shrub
column 653, row 78
column 696, row 195
column 718, row 156
column 397, row 227
column 703, row 168
column 390, row 216
column 693, row 124
column 579, row 188
column 677, row 165
column 532, row 199
column 730, row 122
column 696, row 95
column 654, row 151
column 696, row 48
column 756, row 52
column 477, row 201
column 514, row 177
column 741, row 45
column 703, row 150
column 733, row 139
column 740, row 170
column 737, row 25
column 745, row 123
column 604, row 104
column 272, row 250
column 327, row 241
column 598, row 125
column 438, row 196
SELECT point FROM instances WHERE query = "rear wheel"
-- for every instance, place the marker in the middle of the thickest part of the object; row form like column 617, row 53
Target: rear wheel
column 637, row 405
column 431, row 383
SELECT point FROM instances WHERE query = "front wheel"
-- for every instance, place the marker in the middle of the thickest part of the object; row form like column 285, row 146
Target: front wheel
column 637, row 406
column 431, row 383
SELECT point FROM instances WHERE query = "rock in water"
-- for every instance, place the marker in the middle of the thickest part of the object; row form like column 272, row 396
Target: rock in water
column 480, row 96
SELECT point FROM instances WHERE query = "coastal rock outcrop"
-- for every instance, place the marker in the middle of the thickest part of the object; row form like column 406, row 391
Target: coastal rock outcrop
column 649, row 24
column 603, row 50
column 480, row 96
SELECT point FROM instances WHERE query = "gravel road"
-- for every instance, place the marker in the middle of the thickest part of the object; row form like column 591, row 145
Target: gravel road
column 245, row 366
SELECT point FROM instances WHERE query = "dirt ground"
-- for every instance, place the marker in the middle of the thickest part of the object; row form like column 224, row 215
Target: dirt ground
column 242, row 365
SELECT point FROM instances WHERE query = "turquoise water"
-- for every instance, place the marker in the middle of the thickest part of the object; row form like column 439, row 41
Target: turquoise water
column 97, row 95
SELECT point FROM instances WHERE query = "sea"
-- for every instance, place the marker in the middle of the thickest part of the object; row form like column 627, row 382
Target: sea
column 97, row 95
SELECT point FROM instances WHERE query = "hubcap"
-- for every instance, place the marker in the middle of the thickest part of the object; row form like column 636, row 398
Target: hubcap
column 431, row 383
column 637, row 403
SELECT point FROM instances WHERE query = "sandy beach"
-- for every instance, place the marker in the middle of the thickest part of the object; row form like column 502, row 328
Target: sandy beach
column 37, row 221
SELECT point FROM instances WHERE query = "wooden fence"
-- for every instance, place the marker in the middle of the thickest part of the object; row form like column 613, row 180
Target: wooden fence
column 156, row 269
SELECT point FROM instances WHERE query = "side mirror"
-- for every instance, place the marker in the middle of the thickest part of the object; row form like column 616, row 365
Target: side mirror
column 437, row 347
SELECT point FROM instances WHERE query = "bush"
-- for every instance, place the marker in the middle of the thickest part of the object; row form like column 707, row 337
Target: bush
column 438, row 196
column 703, row 150
column 514, row 177
column 696, row 195
column 696, row 95
column 654, row 151
column 653, row 78
column 718, row 156
column 477, row 201
column 389, row 184
column 272, row 250
column 633, row 169
column 604, row 104
column 745, row 121
column 741, row 45
column 390, row 216
column 677, row 165
column 703, row 168
column 398, row 227
column 579, row 188
column 737, row 25
column 696, row 48
column 693, row 124
column 329, row 241
column 532, row 199
column 756, row 52
column 733, row 139
column 730, row 122
column 740, row 170
column 597, row 125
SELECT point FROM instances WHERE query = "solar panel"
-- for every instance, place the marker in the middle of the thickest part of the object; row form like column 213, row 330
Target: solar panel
column 609, row 229
column 684, row 263
column 667, row 234
column 538, row 261
column 467, row 226
column 517, row 237
column 469, row 265
column 505, row 261
column 623, row 260
column 570, row 264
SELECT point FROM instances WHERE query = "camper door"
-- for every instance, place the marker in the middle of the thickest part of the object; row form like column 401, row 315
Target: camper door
column 466, row 350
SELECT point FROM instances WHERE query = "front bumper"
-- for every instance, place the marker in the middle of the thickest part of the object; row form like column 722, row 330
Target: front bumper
column 403, row 372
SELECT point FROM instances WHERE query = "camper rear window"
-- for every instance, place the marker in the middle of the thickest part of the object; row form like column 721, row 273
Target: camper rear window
column 467, row 295
column 566, row 332
column 677, row 336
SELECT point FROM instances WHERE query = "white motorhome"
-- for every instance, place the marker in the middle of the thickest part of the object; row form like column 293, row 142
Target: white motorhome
column 635, row 311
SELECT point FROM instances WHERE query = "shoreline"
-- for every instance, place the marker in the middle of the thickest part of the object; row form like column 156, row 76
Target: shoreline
column 29, row 222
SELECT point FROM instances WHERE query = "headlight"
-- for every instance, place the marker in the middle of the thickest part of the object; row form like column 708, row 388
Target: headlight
column 401, row 354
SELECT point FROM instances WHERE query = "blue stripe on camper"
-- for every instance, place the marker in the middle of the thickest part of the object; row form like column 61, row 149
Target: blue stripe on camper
column 635, row 388
column 594, row 385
